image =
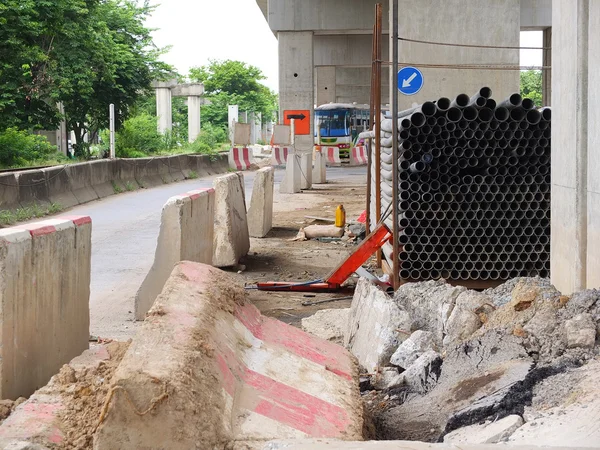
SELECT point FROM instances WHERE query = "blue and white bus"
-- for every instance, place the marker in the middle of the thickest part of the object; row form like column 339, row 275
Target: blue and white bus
column 339, row 124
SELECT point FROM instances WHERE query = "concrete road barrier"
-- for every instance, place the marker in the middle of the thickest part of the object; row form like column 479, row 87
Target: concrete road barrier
column 332, row 155
column 306, row 170
column 206, row 370
column 32, row 187
column 186, row 233
column 103, row 172
column 241, row 158
column 44, row 300
column 9, row 191
column 279, row 155
column 292, row 180
column 320, row 168
column 81, row 182
column 59, row 186
column 231, row 241
column 358, row 156
column 260, row 214
column 177, row 164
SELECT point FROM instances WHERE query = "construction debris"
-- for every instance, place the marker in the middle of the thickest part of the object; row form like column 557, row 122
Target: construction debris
column 442, row 359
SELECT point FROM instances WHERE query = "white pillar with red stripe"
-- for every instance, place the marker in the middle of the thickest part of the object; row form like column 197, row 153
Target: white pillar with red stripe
column 358, row 156
column 279, row 155
column 332, row 156
column 240, row 158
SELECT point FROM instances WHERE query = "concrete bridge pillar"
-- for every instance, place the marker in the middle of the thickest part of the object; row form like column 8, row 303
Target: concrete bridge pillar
column 296, row 79
column 326, row 85
column 194, row 103
column 164, row 105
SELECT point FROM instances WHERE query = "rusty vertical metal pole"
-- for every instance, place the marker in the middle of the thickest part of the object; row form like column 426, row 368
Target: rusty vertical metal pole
column 395, row 155
column 371, row 115
column 377, row 119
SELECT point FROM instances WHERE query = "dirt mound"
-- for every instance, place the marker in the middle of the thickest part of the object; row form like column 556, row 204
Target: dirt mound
column 84, row 391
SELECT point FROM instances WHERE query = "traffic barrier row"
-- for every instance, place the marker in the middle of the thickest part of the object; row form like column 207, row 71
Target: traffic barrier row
column 240, row 158
column 358, row 156
column 44, row 300
column 279, row 155
column 75, row 184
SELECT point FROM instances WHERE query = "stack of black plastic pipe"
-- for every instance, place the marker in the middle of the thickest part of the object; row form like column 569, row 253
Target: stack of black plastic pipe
column 474, row 181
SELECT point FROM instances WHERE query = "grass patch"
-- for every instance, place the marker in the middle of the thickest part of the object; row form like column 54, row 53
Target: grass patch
column 33, row 211
column 129, row 186
column 192, row 175
column 118, row 189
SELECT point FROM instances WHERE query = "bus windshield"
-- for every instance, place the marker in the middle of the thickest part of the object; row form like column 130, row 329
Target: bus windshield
column 333, row 123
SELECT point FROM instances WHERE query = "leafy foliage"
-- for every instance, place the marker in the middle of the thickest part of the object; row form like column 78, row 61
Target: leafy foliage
column 18, row 148
column 86, row 54
column 209, row 140
column 233, row 83
column 139, row 136
column 531, row 85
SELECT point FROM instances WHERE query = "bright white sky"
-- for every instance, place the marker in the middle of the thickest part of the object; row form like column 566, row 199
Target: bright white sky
column 199, row 30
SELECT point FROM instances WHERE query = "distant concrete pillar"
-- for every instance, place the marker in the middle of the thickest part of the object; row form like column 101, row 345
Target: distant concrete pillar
column 575, row 241
column 62, row 137
column 258, row 126
column 194, row 103
column 243, row 117
column 547, row 73
column 232, row 117
column 296, row 79
column 164, row 106
column 252, row 122
column 269, row 131
column 326, row 85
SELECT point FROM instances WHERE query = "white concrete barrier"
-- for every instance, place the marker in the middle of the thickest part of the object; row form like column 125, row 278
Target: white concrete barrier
column 279, row 155
column 306, row 170
column 292, row 180
column 260, row 214
column 240, row 158
column 44, row 300
column 358, row 156
column 332, row 155
column 213, row 373
column 320, row 168
column 231, row 240
column 186, row 234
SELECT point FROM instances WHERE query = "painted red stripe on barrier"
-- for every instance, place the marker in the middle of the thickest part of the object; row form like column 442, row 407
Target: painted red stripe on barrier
column 77, row 220
column 274, row 332
column 246, row 153
column 236, row 158
column 35, row 229
column 282, row 403
column 194, row 195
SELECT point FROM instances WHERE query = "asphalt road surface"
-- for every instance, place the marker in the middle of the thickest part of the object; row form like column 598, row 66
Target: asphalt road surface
column 124, row 232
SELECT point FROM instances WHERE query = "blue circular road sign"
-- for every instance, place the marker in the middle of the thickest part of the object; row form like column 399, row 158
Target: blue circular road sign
column 410, row 80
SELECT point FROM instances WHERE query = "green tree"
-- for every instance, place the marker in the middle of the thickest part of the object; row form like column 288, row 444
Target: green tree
column 531, row 85
column 233, row 83
column 83, row 53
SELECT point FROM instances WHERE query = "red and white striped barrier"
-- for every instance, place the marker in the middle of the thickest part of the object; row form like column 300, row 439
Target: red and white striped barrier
column 332, row 155
column 255, row 378
column 358, row 156
column 279, row 156
column 240, row 158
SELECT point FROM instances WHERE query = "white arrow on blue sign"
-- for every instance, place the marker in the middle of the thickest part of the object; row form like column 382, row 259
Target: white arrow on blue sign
column 410, row 80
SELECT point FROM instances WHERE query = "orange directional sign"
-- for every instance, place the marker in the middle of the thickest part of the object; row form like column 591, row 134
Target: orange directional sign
column 302, row 120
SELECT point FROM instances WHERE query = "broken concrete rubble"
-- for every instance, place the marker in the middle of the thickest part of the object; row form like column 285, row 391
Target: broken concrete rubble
column 429, row 305
column 581, row 331
column 372, row 334
column 470, row 311
column 487, row 433
column 328, row 324
column 409, row 351
column 422, row 375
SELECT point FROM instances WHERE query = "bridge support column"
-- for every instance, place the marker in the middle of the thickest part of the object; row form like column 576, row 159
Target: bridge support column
column 194, row 103
column 296, row 79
